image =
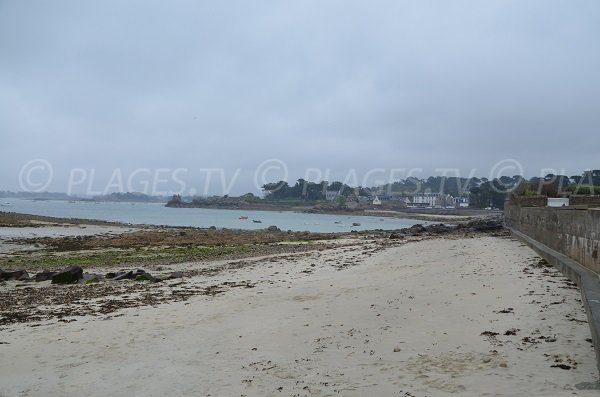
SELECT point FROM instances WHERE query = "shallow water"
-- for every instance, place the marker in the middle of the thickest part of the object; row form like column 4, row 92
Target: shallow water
column 158, row 214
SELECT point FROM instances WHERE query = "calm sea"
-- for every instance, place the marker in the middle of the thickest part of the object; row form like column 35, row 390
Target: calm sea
column 158, row 214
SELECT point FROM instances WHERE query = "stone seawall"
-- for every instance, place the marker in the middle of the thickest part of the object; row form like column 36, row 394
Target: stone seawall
column 569, row 239
column 574, row 232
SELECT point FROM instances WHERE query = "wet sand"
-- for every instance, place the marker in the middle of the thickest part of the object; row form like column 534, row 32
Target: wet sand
column 62, row 231
column 14, row 226
column 466, row 316
column 9, row 234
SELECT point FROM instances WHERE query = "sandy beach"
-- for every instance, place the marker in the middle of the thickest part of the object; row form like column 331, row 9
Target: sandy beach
column 466, row 316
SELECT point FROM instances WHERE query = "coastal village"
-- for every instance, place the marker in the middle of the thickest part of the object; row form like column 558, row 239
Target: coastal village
column 421, row 200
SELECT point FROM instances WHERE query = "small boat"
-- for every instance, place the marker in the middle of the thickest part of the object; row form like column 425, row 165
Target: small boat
column 243, row 217
column 355, row 224
column 338, row 222
column 256, row 221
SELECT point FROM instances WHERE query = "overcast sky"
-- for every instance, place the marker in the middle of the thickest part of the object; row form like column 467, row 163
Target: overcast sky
column 329, row 85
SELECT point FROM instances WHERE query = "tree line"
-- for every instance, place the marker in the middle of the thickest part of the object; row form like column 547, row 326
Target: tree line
column 310, row 191
column 481, row 192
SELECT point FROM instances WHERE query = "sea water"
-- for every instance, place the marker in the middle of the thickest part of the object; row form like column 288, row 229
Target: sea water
column 158, row 214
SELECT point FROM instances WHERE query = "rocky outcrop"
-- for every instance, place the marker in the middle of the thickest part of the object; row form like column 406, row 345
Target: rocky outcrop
column 481, row 225
column 69, row 275
column 13, row 275
column 44, row 276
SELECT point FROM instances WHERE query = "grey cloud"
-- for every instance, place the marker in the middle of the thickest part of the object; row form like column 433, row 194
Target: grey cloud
column 339, row 85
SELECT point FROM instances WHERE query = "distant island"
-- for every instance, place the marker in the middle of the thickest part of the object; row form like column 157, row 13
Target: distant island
column 127, row 197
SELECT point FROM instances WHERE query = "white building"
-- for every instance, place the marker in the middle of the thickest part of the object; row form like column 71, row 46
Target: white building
column 461, row 202
column 331, row 194
column 432, row 200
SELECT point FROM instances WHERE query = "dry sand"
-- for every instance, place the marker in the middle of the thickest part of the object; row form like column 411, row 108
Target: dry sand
column 348, row 321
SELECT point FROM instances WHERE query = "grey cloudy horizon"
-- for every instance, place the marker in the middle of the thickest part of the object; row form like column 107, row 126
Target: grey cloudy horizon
column 324, row 85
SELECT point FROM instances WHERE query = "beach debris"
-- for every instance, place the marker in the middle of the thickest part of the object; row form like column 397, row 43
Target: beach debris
column 512, row 331
column 529, row 339
column 13, row 275
column 245, row 284
column 68, row 275
column 541, row 263
column 49, row 303
column 559, row 362
column 489, row 334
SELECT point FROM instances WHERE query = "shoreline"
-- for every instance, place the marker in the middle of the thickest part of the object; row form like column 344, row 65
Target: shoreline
column 20, row 219
column 43, row 220
column 433, row 214
column 49, row 245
